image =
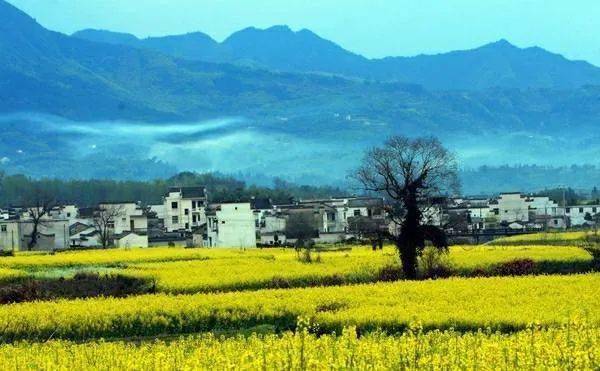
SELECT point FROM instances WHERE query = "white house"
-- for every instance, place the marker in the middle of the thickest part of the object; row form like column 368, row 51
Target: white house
column 542, row 205
column 132, row 217
column 83, row 235
column 184, row 208
column 511, row 207
column 53, row 234
column 230, row 225
column 272, row 230
column 581, row 214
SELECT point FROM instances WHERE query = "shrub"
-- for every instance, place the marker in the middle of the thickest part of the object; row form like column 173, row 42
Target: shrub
column 390, row 273
column 279, row 283
column 435, row 263
column 517, row 267
column 595, row 253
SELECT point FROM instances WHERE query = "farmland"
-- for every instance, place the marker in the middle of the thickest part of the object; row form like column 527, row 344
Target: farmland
column 256, row 308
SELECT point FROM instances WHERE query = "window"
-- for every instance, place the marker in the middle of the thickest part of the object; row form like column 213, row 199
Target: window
column 581, row 209
column 193, row 204
column 187, row 212
column 357, row 212
column 331, row 217
column 194, row 218
column 3, row 228
column 175, row 219
column 568, row 210
column 187, row 225
column 68, row 215
column 223, row 222
column 174, row 205
column 594, row 209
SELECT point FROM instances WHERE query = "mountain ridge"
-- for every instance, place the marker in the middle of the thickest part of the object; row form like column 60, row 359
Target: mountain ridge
column 496, row 64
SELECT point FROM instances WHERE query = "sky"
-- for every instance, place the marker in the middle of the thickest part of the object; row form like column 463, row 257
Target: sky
column 374, row 28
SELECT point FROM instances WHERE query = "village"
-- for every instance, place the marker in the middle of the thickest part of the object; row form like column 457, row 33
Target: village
column 186, row 218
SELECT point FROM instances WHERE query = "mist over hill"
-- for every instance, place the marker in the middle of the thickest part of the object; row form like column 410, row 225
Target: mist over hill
column 275, row 102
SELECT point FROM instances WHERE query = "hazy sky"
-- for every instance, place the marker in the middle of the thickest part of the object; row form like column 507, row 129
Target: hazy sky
column 374, row 28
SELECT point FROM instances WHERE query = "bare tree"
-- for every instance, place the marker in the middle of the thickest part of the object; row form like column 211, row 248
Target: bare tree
column 38, row 210
column 410, row 173
column 104, row 222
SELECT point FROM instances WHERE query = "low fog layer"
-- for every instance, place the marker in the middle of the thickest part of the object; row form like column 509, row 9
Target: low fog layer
column 43, row 145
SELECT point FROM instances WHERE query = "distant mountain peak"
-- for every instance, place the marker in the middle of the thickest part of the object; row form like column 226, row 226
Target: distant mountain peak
column 500, row 44
column 280, row 28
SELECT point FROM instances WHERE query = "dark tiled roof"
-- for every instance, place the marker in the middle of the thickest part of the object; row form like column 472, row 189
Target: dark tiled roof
column 261, row 204
column 127, row 233
column 189, row 192
column 365, row 202
column 77, row 227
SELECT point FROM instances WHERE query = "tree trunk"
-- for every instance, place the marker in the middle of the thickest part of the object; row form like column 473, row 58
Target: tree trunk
column 411, row 236
column 408, row 257
column 33, row 239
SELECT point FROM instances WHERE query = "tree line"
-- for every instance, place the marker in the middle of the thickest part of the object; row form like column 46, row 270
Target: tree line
column 19, row 190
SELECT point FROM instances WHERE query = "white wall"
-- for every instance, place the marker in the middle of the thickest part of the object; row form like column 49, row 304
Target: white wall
column 236, row 226
column 132, row 240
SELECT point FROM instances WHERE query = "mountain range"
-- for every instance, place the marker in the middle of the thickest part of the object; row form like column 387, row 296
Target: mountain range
column 274, row 102
column 498, row 64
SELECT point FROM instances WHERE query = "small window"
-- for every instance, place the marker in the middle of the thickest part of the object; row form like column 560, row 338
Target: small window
column 68, row 215
column 568, row 210
column 193, row 204
column 174, row 205
column 194, row 219
column 581, row 209
column 175, row 219
column 356, row 212
column 223, row 222
column 187, row 212
column 3, row 228
column 187, row 225
column 594, row 209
